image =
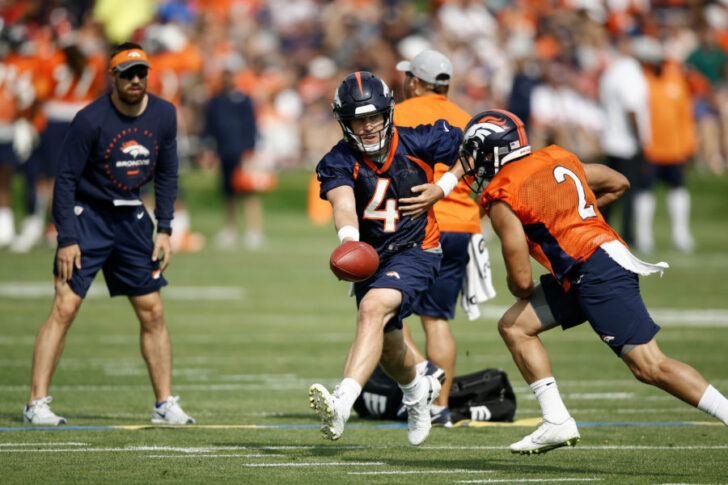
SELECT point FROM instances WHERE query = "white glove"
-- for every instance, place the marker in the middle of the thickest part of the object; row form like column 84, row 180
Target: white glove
column 24, row 139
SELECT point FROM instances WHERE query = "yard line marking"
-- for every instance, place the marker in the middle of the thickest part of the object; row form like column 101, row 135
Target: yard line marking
column 666, row 317
column 531, row 480
column 420, row 472
column 69, row 443
column 305, row 464
column 530, row 422
column 209, row 451
column 205, row 455
column 43, row 289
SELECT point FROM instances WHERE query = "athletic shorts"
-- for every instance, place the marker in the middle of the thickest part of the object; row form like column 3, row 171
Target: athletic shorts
column 228, row 166
column 410, row 271
column 602, row 293
column 673, row 175
column 118, row 241
column 7, row 155
column 51, row 141
column 440, row 299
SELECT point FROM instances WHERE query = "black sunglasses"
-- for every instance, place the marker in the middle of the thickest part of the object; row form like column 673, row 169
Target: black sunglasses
column 133, row 72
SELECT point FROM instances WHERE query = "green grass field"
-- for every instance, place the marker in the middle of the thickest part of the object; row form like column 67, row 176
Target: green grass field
column 252, row 331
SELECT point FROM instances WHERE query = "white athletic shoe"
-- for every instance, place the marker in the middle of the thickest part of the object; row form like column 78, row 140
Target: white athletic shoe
column 418, row 412
column 333, row 418
column 30, row 236
column 227, row 238
column 39, row 413
column 170, row 412
column 547, row 437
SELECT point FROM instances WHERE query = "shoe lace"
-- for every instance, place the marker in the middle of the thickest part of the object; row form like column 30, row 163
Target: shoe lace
column 42, row 403
column 169, row 403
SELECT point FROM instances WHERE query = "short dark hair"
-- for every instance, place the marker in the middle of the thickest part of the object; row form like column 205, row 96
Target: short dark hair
column 436, row 88
column 125, row 47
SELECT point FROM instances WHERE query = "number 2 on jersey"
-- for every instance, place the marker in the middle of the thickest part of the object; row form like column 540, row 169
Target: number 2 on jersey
column 389, row 214
column 585, row 211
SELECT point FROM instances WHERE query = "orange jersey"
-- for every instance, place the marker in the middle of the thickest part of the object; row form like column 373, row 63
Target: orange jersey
column 66, row 93
column 671, row 117
column 548, row 192
column 168, row 70
column 457, row 212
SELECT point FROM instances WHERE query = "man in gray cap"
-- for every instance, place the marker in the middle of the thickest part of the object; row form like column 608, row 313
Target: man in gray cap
column 426, row 85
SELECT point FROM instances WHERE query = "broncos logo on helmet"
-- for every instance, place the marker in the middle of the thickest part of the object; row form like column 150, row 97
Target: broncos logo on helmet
column 361, row 95
column 492, row 139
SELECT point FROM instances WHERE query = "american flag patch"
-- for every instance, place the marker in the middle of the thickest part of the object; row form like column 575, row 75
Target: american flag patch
column 515, row 144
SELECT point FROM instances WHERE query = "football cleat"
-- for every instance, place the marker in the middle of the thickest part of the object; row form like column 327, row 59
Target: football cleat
column 441, row 418
column 418, row 412
column 170, row 412
column 547, row 437
column 325, row 405
column 39, row 413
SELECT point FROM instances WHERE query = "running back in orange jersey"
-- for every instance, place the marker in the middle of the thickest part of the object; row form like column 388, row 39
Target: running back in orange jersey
column 549, row 193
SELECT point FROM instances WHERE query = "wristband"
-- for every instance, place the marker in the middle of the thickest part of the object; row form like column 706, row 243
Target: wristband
column 348, row 231
column 447, row 182
column 164, row 230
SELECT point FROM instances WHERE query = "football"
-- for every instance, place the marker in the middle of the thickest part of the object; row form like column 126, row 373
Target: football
column 354, row 261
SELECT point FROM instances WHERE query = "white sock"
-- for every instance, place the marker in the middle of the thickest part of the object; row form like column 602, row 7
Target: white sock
column 347, row 391
column 414, row 389
column 678, row 207
column 548, row 397
column 715, row 404
column 436, row 408
column 421, row 368
column 7, row 225
column 644, row 212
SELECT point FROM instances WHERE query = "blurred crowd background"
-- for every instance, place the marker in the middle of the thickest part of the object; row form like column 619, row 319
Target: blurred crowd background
column 542, row 59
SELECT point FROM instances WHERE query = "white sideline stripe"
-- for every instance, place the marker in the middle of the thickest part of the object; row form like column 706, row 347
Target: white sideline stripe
column 303, row 464
column 579, row 447
column 531, row 480
column 42, row 289
column 209, row 450
column 421, row 472
column 69, row 443
column 694, row 317
column 205, row 455
column 665, row 317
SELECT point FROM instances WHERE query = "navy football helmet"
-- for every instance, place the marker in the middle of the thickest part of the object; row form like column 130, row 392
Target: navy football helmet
column 361, row 95
column 492, row 139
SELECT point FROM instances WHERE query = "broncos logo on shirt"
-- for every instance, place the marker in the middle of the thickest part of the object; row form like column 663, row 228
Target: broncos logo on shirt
column 134, row 149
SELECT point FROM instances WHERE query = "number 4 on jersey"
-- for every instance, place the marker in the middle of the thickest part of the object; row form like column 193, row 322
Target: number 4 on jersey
column 585, row 211
column 389, row 214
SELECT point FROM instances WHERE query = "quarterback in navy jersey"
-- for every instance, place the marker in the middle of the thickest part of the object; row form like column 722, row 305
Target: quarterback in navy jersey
column 115, row 145
column 375, row 178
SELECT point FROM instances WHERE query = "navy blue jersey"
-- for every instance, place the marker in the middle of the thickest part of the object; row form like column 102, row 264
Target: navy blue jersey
column 230, row 122
column 106, row 157
column 377, row 188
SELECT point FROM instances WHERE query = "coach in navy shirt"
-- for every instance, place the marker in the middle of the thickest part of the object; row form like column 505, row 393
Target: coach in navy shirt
column 115, row 145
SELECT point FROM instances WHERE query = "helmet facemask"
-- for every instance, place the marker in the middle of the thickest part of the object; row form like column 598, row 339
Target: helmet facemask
column 357, row 139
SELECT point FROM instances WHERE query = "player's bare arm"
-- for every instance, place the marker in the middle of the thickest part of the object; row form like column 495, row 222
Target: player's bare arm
column 608, row 185
column 514, row 247
column 68, row 258
column 162, row 245
column 429, row 194
column 344, row 204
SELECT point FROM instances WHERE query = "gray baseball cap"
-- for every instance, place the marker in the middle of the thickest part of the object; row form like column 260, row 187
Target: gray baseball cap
column 648, row 50
column 428, row 65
